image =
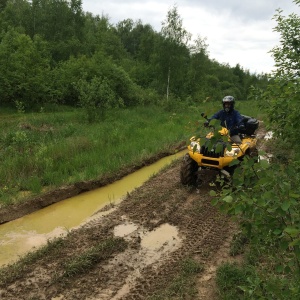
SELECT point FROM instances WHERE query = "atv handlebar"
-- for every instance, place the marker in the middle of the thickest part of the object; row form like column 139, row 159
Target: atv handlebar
column 206, row 123
column 204, row 115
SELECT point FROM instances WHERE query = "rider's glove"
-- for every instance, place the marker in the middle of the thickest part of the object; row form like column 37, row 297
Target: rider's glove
column 242, row 127
column 206, row 123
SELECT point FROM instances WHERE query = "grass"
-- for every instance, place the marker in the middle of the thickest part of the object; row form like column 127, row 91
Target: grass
column 230, row 281
column 46, row 150
column 87, row 260
column 248, row 282
column 42, row 151
column 183, row 286
column 238, row 244
column 76, row 265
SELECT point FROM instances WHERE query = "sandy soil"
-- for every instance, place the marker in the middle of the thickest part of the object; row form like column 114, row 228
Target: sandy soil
column 162, row 223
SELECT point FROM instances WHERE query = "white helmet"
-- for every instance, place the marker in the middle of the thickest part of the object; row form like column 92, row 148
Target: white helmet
column 230, row 100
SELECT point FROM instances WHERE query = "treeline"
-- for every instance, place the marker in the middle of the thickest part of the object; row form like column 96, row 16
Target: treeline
column 51, row 51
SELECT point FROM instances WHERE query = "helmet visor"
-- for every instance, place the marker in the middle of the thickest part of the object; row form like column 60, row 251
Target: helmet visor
column 227, row 105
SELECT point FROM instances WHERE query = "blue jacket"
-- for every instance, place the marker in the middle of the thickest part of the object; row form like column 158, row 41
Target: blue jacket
column 231, row 120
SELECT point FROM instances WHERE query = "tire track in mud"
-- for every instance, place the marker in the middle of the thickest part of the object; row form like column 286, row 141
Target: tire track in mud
column 190, row 212
column 207, row 239
column 128, row 275
column 204, row 234
column 203, row 230
column 200, row 225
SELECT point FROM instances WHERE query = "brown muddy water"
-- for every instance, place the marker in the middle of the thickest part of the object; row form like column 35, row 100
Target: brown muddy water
column 34, row 230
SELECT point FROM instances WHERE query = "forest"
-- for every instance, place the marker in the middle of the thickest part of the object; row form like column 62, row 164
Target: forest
column 52, row 52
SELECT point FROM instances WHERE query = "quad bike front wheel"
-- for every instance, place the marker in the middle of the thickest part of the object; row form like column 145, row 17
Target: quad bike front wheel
column 253, row 153
column 188, row 171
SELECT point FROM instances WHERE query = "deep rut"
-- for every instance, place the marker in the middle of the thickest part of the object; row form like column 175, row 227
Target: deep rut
column 134, row 273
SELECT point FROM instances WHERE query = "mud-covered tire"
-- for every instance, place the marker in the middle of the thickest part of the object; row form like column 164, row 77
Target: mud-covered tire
column 188, row 171
column 253, row 153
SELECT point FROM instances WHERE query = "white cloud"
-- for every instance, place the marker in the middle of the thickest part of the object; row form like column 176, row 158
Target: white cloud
column 236, row 31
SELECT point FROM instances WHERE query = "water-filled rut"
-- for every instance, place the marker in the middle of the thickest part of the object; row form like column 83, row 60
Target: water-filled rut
column 31, row 231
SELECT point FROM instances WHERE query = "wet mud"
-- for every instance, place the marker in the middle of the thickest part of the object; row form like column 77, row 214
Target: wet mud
column 162, row 224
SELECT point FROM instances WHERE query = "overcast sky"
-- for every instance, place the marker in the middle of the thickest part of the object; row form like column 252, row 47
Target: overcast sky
column 237, row 31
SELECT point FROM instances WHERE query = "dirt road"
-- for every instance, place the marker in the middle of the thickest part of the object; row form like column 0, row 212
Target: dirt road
column 135, row 269
column 134, row 250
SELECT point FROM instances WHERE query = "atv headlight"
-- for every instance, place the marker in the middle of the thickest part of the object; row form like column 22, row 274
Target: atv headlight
column 232, row 152
column 195, row 146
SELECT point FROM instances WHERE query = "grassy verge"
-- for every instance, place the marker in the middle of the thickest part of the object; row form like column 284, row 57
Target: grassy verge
column 183, row 286
column 42, row 151
column 256, row 278
column 270, row 268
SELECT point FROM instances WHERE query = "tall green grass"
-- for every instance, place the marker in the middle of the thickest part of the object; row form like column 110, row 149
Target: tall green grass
column 41, row 151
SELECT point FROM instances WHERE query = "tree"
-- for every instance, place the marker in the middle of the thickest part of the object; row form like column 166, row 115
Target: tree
column 16, row 14
column 66, row 38
column 59, row 22
column 24, row 69
column 124, row 30
column 96, row 97
column 2, row 4
column 172, row 28
column 198, row 69
column 174, row 54
column 101, row 36
column 287, row 55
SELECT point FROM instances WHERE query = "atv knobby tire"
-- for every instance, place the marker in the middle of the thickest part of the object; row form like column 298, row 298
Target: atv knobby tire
column 253, row 153
column 188, row 171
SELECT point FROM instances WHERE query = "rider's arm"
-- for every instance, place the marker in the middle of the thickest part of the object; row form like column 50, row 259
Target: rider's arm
column 217, row 115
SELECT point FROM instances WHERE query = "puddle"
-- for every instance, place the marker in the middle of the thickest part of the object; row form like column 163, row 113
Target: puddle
column 20, row 236
column 124, row 229
column 154, row 245
column 166, row 236
column 162, row 239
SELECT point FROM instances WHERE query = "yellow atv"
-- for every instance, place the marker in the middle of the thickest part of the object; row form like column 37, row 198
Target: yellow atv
column 215, row 151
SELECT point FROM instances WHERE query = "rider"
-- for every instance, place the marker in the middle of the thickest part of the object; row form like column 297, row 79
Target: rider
column 230, row 118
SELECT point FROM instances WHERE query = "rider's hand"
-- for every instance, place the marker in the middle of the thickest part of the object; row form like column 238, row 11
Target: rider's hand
column 242, row 127
column 206, row 123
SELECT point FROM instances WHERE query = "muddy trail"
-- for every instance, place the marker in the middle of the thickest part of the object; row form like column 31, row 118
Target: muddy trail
column 113, row 257
column 131, row 272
